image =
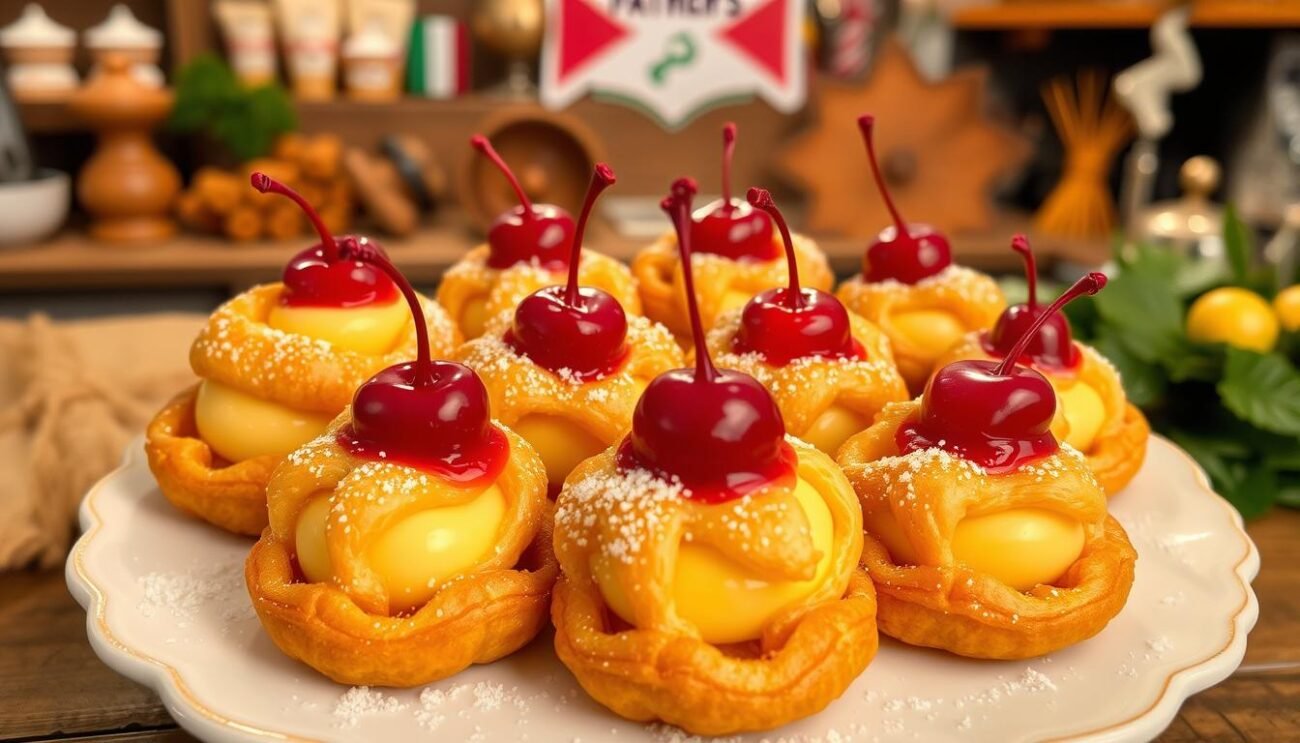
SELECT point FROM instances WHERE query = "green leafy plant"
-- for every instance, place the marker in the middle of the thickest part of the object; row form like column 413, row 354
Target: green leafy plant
column 1236, row 411
column 246, row 121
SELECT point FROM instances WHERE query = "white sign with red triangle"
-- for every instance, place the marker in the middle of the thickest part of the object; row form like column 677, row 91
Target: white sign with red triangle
column 674, row 58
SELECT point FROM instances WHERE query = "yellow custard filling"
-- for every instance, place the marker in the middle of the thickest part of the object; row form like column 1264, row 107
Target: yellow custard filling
column 239, row 426
column 370, row 329
column 416, row 555
column 726, row 602
column 1021, row 547
column 1084, row 411
column 833, row 427
column 560, row 443
column 473, row 317
column 932, row 332
column 733, row 299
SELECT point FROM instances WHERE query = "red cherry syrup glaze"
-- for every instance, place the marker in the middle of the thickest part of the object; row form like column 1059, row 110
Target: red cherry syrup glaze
column 784, row 324
column 730, row 227
column 528, row 232
column 902, row 252
column 717, row 431
column 579, row 328
column 318, row 277
column 997, row 415
column 1052, row 347
column 429, row 415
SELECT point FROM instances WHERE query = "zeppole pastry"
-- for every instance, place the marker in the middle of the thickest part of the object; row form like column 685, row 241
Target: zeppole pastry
column 412, row 539
column 911, row 289
column 277, row 364
column 829, row 370
column 709, row 562
column 567, row 372
column 737, row 254
column 1097, row 419
column 984, row 535
column 527, row 248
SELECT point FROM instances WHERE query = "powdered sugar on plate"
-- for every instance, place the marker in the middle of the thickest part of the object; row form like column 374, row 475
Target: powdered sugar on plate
column 216, row 589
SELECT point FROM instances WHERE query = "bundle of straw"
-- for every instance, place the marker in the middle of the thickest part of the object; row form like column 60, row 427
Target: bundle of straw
column 1093, row 127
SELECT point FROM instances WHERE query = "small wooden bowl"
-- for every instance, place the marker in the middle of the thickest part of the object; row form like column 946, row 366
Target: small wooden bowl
column 552, row 154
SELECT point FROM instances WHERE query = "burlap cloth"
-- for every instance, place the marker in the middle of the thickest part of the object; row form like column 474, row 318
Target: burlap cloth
column 72, row 395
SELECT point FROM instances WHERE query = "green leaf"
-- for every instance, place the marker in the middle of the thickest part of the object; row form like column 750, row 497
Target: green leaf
column 1263, row 390
column 1143, row 383
column 209, row 98
column 1288, row 490
column 1238, row 243
column 1254, row 490
column 1213, row 461
column 1217, row 443
column 1198, row 362
column 1286, row 460
column 1144, row 314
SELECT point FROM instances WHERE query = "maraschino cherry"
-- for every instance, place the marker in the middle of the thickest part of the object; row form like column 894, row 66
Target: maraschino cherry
column 997, row 415
column 318, row 276
column 528, row 232
column 1052, row 347
column 426, row 414
column 717, row 431
column 788, row 323
column 579, row 328
column 730, row 227
column 901, row 252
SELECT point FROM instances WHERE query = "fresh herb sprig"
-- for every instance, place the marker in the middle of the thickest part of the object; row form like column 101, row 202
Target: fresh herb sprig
column 1236, row 411
column 246, row 121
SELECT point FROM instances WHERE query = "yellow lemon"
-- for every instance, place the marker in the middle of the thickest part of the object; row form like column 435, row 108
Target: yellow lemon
column 1235, row 316
column 1287, row 306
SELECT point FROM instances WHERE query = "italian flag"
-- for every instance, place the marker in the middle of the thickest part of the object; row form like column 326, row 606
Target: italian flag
column 439, row 57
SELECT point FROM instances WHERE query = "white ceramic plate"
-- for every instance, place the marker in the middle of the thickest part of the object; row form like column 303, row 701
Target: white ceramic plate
column 167, row 607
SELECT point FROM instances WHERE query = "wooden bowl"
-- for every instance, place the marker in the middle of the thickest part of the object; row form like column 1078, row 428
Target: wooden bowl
column 552, row 155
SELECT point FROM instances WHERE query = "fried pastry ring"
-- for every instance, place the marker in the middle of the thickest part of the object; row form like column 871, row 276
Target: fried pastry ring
column 808, row 388
column 1120, row 446
column 231, row 496
column 601, row 407
column 662, row 668
column 476, row 295
column 343, row 627
column 941, row 603
column 658, row 272
column 237, row 348
column 971, row 297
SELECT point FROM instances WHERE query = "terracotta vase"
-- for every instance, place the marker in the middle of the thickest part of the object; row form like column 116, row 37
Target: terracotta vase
column 126, row 186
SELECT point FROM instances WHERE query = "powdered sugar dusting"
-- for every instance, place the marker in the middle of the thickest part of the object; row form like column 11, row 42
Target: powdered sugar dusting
column 360, row 702
column 183, row 595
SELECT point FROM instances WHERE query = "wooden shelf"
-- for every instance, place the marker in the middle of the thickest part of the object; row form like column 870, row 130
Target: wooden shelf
column 1105, row 14
column 72, row 261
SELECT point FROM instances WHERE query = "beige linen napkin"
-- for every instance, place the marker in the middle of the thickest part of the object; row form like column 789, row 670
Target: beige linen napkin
column 72, row 394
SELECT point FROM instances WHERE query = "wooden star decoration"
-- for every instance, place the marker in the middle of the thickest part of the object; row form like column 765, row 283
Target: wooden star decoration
column 939, row 152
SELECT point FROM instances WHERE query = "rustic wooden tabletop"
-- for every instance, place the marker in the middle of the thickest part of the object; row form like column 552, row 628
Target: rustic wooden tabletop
column 52, row 687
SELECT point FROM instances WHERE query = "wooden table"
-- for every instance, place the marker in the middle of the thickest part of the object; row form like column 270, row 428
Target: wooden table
column 52, row 687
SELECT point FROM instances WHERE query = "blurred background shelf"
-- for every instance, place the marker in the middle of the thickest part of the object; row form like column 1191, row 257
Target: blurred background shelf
column 1104, row 14
column 73, row 261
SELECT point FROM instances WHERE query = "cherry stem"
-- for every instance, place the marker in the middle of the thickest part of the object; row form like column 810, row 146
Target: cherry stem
column 1090, row 284
column 761, row 198
column 867, row 123
column 370, row 253
column 728, row 153
column 678, row 206
column 266, row 184
column 481, row 143
column 1020, row 244
column 601, row 178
